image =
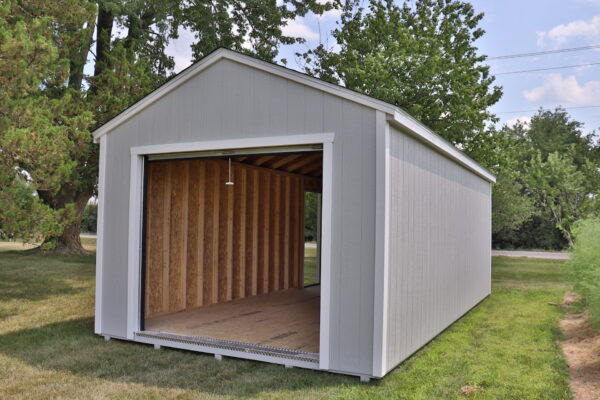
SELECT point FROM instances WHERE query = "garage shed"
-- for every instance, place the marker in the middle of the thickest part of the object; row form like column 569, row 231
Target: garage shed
column 206, row 189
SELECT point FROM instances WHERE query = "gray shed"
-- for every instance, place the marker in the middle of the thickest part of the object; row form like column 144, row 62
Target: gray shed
column 201, row 236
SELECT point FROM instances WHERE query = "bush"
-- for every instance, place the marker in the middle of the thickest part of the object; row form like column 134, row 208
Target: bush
column 90, row 216
column 585, row 266
column 539, row 232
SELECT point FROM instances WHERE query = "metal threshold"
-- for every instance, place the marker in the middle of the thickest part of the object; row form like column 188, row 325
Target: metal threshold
column 231, row 345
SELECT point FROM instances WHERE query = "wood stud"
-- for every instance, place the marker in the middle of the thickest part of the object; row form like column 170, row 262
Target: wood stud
column 209, row 243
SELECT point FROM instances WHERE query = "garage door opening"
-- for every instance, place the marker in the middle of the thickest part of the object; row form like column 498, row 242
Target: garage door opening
column 224, row 250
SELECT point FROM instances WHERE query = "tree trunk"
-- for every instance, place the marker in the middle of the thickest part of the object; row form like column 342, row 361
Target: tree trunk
column 69, row 241
column 104, row 27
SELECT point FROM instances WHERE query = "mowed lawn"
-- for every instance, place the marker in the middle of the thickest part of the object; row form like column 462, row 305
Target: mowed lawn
column 505, row 348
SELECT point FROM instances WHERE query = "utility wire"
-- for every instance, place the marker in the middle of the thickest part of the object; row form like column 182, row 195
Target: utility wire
column 541, row 53
column 546, row 69
column 527, row 111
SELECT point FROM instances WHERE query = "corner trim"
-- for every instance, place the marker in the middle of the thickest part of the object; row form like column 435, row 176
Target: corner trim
column 382, row 227
column 100, row 234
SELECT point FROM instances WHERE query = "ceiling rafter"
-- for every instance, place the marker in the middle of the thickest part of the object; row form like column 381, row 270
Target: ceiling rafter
column 282, row 162
column 302, row 162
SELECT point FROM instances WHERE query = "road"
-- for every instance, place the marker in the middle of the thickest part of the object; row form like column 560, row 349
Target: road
column 532, row 254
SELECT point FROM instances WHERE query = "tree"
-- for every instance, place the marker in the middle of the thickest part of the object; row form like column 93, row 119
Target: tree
column 48, row 117
column 421, row 58
column 29, row 59
column 249, row 26
column 558, row 189
column 510, row 207
column 555, row 165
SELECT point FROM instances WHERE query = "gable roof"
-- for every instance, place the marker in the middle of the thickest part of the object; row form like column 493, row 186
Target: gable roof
column 395, row 115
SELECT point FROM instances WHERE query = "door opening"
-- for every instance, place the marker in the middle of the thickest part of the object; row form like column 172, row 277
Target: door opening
column 312, row 238
column 224, row 249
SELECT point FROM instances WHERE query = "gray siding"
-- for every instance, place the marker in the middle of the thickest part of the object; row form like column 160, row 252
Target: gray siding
column 439, row 245
column 229, row 101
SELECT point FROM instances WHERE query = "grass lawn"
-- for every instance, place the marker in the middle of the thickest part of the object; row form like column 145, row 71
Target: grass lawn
column 310, row 266
column 506, row 347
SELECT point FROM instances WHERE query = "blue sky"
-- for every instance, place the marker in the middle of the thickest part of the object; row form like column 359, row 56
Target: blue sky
column 512, row 26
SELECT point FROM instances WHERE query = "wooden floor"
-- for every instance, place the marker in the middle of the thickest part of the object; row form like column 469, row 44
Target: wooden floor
column 288, row 319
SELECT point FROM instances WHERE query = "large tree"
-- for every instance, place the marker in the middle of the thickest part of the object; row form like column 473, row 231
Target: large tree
column 556, row 165
column 45, row 133
column 420, row 56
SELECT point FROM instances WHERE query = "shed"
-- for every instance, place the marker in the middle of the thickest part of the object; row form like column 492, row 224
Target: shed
column 201, row 245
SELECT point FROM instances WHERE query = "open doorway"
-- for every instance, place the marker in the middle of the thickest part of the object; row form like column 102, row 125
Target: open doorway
column 224, row 250
column 312, row 238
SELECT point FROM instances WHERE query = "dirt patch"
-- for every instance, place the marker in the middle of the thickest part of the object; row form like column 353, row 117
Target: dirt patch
column 582, row 350
column 467, row 390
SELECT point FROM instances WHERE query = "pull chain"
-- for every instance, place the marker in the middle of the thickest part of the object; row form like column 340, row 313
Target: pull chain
column 229, row 182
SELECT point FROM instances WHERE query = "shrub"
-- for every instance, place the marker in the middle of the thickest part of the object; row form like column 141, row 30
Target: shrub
column 585, row 266
column 90, row 216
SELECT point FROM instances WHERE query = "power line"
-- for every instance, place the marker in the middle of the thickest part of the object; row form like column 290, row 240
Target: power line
column 546, row 69
column 528, row 111
column 542, row 53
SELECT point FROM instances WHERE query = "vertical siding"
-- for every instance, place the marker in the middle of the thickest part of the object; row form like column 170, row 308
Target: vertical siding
column 179, row 251
column 439, row 249
column 230, row 101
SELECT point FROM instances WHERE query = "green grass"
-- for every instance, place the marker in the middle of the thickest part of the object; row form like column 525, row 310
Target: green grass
column 506, row 346
column 310, row 266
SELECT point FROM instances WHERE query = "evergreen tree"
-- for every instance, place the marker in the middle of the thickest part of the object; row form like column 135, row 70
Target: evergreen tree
column 49, row 105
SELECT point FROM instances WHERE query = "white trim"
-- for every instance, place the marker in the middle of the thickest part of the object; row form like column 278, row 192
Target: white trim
column 237, row 152
column 136, row 184
column 490, row 242
column 382, row 227
column 135, row 218
column 326, row 224
column 211, row 145
column 100, row 234
column 396, row 114
column 318, row 252
column 410, row 125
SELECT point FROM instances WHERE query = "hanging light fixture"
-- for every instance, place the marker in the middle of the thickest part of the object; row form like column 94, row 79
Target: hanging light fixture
column 229, row 182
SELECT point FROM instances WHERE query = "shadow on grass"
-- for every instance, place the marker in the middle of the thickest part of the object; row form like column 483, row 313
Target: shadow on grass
column 22, row 288
column 19, row 281
column 72, row 347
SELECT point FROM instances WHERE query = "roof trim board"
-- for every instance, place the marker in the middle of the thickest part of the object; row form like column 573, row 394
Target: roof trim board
column 395, row 115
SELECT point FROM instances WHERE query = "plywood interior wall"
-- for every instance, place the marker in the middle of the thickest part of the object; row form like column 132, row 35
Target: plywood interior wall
column 207, row 242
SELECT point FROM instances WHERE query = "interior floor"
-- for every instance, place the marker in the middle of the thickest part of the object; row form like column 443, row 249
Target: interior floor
column 287, row 319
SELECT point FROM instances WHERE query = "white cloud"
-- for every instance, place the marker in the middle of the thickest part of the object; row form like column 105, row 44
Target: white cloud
column 297, row 28
column 525, row 121
column 557, row 89
column 561, row 33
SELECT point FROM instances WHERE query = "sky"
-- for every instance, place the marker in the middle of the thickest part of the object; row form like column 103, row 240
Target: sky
column 512, row 27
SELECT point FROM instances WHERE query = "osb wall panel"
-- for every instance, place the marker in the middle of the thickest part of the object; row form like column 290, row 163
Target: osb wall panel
column 207, row 242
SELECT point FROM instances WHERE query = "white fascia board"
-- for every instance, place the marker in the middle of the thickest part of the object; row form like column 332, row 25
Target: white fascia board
column 410, row 125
